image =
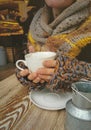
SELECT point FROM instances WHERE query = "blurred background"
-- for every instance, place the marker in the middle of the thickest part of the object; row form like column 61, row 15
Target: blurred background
column 15, row 19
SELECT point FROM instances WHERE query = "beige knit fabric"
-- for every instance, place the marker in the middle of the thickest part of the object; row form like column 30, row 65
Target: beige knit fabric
column 64, row 23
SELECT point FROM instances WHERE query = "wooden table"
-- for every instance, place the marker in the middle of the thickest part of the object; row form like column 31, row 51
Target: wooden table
column 18, row 113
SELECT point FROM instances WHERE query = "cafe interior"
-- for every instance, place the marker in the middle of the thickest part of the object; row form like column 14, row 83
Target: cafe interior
column 20, row 108
column 15, row 18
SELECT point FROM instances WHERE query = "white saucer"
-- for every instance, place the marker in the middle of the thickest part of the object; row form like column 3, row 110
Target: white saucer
column 46, row 99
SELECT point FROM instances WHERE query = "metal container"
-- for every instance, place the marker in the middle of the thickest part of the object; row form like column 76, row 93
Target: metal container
column 78, row 109
column 82, row 94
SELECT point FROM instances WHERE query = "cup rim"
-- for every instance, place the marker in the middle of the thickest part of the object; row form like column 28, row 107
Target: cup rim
column 43, row 52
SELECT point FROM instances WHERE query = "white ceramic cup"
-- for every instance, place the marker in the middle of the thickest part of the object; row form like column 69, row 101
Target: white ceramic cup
column 35, row 60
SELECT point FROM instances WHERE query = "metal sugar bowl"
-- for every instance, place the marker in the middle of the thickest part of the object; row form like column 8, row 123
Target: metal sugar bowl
column 78, row 110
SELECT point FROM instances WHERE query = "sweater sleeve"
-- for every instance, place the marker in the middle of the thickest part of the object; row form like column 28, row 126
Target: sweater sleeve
column 70, row 70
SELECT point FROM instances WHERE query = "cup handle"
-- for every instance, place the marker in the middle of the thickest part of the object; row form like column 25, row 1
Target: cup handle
column 17, row 64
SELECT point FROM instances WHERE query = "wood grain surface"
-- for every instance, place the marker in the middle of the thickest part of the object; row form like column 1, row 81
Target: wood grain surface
column 18, row 113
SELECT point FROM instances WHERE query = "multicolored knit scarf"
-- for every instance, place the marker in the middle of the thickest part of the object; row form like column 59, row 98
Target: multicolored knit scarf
column 41, row 27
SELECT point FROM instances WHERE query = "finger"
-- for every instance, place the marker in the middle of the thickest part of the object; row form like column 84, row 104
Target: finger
column 46, row 71
column 45, row 77
column 24, row 72
column 49, row 63
column 32, row 76
column 31, row 49
column 36, row 80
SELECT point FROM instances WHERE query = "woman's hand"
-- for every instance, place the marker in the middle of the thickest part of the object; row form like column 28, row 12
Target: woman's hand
column 31, row 76
column 42, row 74
column 48, row 71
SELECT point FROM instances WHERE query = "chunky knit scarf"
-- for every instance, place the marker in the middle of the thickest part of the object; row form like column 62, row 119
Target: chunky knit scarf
column 41, row 27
